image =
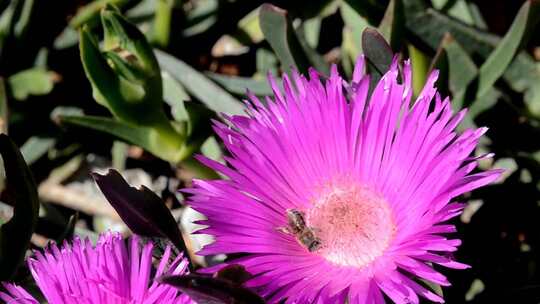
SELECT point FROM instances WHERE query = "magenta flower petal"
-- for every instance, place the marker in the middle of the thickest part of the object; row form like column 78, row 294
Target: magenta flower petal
column 110, row 272
column 372, row 179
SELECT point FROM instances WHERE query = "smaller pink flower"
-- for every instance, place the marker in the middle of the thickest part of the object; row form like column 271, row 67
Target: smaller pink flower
column 109, row 272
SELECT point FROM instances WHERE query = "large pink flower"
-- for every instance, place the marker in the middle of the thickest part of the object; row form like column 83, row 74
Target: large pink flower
column 110, row 272
column 371, row 179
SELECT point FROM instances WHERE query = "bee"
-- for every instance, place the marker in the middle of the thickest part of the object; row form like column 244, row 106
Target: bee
column 297, row 226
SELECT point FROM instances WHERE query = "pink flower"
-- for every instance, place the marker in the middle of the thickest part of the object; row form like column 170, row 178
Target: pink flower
column 107, row 273
column 334, row 198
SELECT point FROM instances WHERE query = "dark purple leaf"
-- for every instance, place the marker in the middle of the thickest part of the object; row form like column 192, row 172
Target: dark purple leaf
column 233, row 273
column 22, row 193
column 377, row 52
column 208, row 290
column 141, row 209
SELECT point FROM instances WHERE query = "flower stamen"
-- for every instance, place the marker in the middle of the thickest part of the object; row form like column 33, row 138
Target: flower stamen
column 355, row 225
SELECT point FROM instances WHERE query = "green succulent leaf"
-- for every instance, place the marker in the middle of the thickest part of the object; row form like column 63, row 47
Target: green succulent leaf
column 36, row 147
column 280, row 34
column 175, row 95
column 240, row 85
column 125, row 76
column 199, row 86
column 150, row 139
column 497, row 62
column 355, row 24
column 420, row 68
column 90, row 12
column 36, row 81
column 391, row 26
column 162, row 22
column 429, row 26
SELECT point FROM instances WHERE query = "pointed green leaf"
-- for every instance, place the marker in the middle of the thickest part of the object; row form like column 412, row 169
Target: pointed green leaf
column 120, row 33
column 249, row 25
column 126, row 77
column 463, row 70
column 498, row 61
column 440, row 63
column 162, row 22
column 420, row 68
column 209, row 93
column 90, row 12
column 240, row 85
column 351, row 36
column 147, row 138
column 21, row 189
column 175, row 95
column 372, row 10
column 392, row 24
column 430, row 26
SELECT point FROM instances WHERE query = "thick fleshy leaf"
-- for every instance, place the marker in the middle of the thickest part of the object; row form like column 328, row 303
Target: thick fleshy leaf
column 21, row 189
column 430, row 26
column 249, row 25
column 462, row 67
column 372, row 10
column 141, row 209
column 351, row 45
column 162, row 22
column 175, row 95
column 420, row 68
column 145, row 137
column 24, row 18
column 34, row 81
column 35, row 147
column 125, row 76
column 201, row 18
column 440, row 62
column 90, row 12
column 498, row 61
column 240, row 85
column 462, row 72
column 279, row 32
column 267, row 62
column 197, row 85
column 207, row 290
column 392, row 24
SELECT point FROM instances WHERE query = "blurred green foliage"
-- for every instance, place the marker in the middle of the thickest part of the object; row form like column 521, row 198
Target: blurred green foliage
column 105, row 78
